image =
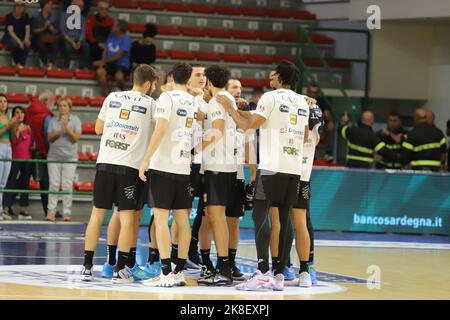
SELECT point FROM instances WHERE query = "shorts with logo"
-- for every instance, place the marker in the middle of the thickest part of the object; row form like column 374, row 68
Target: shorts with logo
column 303, row 196
column 237, row 209
column 169, row 190
column 119, row 185
column 280, row 188
column 196, row 180
column 219, row 188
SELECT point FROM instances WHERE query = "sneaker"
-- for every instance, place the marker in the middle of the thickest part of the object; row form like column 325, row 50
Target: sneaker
column 312, row 272
column 237, row 274
column 122, row 276
column 108, row 270
column 194, row 261
column 258, row 282
column 50, row 217
column 304, row 280
column 86, row 274
column 138, row 273
column 216, row 279
column 6, row 215
column 179, row 280
column 206, row 271
column 278, row 282
column 67, row 219
column 24, row 216
column 58, row 215
column 161, row 281
column 152, row 270
column 289, row 273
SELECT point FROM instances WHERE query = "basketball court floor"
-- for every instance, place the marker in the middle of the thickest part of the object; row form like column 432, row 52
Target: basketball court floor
column 43, row 261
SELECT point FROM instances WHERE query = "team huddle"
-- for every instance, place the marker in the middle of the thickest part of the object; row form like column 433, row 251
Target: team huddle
column 193, row 142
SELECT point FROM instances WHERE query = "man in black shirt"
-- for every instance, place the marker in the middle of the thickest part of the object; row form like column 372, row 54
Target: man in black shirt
column 143, row 51
column 393, row 136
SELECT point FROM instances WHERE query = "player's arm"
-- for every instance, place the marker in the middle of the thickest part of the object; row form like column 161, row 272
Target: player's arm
column 245, row 121
column 100, row 123
column 250, row 158
column 99, row 126
column 214, row 135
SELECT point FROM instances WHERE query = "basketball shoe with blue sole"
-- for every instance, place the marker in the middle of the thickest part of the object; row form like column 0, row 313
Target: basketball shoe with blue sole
column 289, row 273
column 108, row 270
column 312, row 272
column 152, row 270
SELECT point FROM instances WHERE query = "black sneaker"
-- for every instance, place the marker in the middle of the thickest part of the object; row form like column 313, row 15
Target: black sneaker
column 194, row 261
column 86, row 274
column 207, row 271
column 58, row 215
column 217, row 280
column 237, row 274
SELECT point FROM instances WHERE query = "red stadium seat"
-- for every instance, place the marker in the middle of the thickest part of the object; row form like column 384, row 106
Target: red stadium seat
column 2, row 46
column 79, row 101
column 17, row 98
column 259, row 58
column 85, row 186
column 96, row 101
column 192, row 31
column 207, row 56
column 161, row 54
column 150, row 5
column 85, row 75
column 126, row 4
column 88, row 128
column 202, row 8
column 168, row 30
column 254, row 11
column 234, row 57
column 321, row 39
column 332, row 63
column 7, row 71
column 82, row 156
column 289, row 36
column 2, row 20
column 254, row 83
column 218, row 33
column 93, row 156
column 31, row 72
column 136, row 27
column 34, row 185
column 279, row 13
column 236, row 11
column 177, row 7
column 302, row 15
column 60, row 73
column 268, row 36
column 279, row 58
column 244, row 34
column 181, row 55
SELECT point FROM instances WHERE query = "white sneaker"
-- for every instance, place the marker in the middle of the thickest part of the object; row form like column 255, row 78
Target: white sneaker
column 304, row 280
column 179, row 280
column 161, row 281
column 86, row 274
column 123, row 276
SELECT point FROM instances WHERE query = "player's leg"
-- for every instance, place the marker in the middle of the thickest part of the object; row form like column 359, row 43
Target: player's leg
column 137, row 272
column 153, row 265
column 205, row 246
column 181, row 217
column 302, row 244
column 126, row 236
column 112, row 239
column 274, row 236
column 174, row 238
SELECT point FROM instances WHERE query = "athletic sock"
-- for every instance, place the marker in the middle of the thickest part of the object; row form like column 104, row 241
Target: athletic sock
column 263, row 265
column 112, row 255
column 174, row 253
column 303, row 266
column 223, row 264
column 122, row 261
column 206, row 259
column 88, row 258
column 166, row 266
column 131, row 258
column 275, row 265
column 153, row 255
column 180, row 265
column 232, row 256
column 311, row 257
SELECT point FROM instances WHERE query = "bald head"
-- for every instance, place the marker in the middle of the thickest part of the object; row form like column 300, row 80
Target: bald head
column 430, row 117
column 367, row 118
column 420, row 116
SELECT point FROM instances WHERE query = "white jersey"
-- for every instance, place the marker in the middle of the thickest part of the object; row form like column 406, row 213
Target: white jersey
column 174, row 153
column 198, row 130
column 309, row 150
column 128, row 118
column 221, row 156
column 282, row 135
column 240, row 153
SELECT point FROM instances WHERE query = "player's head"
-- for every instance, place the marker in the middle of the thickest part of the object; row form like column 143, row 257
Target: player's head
column 286, row 75
column 420, row 116
column 145, row 78
column 217, row 76
column 368, row 118
column 181, row 72
column 394, row 122
column 234, row 87
column 430, row 117
column 198, row 78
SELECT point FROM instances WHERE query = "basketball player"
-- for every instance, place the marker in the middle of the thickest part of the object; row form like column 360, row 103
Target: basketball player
column 282, row 116
column 125, row 122
column 168, row 159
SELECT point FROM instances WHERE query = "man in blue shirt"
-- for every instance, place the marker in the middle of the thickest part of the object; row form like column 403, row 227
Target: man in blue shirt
column 116, row 58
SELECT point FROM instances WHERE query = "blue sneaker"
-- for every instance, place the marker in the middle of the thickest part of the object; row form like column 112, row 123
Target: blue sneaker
column 289, row 273
column 108, row 270
column 312, row 273
column 138, row 273
column 153, row 270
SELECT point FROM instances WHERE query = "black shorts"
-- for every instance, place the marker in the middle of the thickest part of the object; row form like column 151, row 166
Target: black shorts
column 196, row 180
column 260, row 194
column 237, row 209
column 281, row 189
column 303, row 196
column 169, row 191
column 118, row 185
column 112, row 68
column 219, row 188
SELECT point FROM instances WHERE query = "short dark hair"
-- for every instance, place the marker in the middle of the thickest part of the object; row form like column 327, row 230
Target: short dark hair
column 288, row 73
column 123, row 25
column 43, row 3
column 198, row 65
column 143, row 73
column 151, row 30
column 182, row 72
column 394, row 114
column 218, row 75
column 228, row 82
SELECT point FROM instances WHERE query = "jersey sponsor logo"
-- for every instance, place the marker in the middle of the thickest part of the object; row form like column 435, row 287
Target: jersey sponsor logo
column 115, row 104
column 189, row 122
column 160, row 110
column 182, row 112
column 302, row 112
column 291, row 99
column 284, row 108
column 139, row 109
column 305, row 160
column 292, row 131
column 185, row 154
column 293, row 119
column 216, row 114
column 126, row 96
column 124, row 114
column 117, row 145
column 291, row 151
column 129, row 192
column 116, row 124
column 185, row 102
column 120, row 136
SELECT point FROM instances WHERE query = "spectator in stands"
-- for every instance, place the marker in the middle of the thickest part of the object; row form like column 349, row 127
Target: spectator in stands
column 84, row 10
column 64, row 131
column 116, row 58
column 38, row 116
column 143, row 51
column 17, row 34
column 98, row 28
column 430, row 118
column 22, row 142
column 44, row 27
column 6, row 127
column 74, row 40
